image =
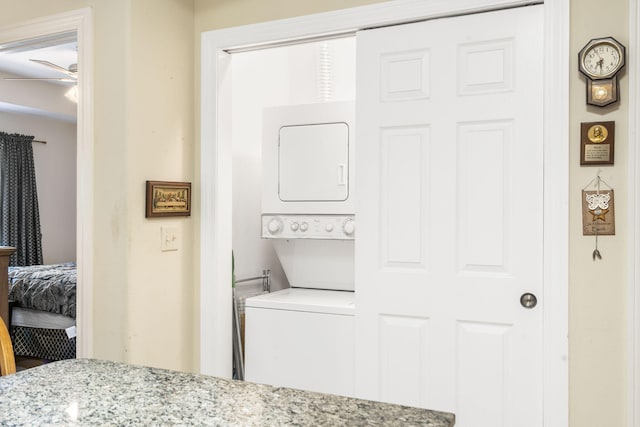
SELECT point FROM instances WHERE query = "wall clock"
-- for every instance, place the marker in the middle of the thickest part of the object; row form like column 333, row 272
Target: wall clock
column 600, row 60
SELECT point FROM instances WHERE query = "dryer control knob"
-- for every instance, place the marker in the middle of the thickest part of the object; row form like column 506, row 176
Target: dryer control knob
column 304, row 226
column 329, row 228
column 274, row 225
column 294, row 226
column 349, row 227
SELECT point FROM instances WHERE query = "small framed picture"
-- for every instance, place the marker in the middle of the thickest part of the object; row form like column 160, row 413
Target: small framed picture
column 166, row 198
column 597, row 141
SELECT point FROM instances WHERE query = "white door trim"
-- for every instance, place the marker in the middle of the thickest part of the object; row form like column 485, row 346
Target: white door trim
column 633, row 291
column 81, row 22
column 556, row 215
column 215, row 148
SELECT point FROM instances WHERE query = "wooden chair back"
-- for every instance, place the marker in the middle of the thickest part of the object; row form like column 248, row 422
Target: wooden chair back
column 7, row 360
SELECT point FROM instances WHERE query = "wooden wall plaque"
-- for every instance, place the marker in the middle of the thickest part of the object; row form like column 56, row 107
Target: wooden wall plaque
column 598, row 213
column 597, row 141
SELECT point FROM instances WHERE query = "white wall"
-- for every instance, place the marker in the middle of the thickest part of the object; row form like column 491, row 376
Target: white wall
column 55, row 164
column 273, row 77
column 34, row 96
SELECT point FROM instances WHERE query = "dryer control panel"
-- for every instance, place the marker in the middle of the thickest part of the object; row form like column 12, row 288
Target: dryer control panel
column 326, row 227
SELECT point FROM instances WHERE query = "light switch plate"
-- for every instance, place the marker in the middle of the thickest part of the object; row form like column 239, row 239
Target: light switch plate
column 169, row 239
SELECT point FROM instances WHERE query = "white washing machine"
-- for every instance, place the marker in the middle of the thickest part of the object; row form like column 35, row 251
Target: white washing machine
column 303, row 337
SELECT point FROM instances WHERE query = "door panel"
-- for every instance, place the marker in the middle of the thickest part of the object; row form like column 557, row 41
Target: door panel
column 404, row 155
column 483, row 196
column 482, row 360
column 449, row 161
column 404, row 346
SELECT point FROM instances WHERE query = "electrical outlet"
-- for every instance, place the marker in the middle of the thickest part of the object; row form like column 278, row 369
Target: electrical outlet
column 170, row 238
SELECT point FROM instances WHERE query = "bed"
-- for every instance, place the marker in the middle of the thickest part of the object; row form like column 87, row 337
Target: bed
column 43, row 310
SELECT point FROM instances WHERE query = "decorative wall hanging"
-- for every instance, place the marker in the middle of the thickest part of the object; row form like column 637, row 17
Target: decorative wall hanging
column 600, row 61
column 597, row 143
column 598, row 212
column 168, row 199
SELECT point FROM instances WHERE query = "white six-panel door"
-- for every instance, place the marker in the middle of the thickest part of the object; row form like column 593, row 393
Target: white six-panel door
column 449, row 212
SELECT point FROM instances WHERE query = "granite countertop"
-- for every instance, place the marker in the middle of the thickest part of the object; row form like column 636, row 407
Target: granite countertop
column 86, row 392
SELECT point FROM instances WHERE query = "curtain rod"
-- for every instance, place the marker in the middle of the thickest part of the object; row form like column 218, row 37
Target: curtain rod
column 22, row 136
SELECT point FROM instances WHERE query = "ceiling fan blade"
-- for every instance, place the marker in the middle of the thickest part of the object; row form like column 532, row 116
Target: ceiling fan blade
column 55, row 67
column 56, row 79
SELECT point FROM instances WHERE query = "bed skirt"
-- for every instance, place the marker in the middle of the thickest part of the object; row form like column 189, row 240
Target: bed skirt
column 49, row 344
column 42, row 335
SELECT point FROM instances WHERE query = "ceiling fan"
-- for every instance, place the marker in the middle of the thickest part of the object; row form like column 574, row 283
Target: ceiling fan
column 71, row 73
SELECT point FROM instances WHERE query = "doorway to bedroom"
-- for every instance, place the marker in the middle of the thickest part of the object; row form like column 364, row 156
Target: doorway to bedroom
column 45, row 77
column 39, row 101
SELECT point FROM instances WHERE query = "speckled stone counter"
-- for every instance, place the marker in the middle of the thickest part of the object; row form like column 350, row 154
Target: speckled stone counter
column 84, row 392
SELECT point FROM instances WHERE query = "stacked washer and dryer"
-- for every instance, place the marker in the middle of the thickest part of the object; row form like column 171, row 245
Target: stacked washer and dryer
column 303, row 336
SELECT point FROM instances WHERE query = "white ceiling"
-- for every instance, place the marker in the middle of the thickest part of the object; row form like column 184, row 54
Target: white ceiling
column 59, row 49
column 18, row 64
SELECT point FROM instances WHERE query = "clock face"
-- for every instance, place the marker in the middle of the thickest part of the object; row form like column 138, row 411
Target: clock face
column 601, row 58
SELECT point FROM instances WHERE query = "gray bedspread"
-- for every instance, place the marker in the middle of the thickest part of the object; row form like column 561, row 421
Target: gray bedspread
column 49, row 288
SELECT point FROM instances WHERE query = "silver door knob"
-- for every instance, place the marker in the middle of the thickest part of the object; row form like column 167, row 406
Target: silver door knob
column 528, row 300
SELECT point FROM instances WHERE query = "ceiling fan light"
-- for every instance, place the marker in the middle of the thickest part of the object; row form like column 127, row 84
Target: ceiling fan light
column 72, row 94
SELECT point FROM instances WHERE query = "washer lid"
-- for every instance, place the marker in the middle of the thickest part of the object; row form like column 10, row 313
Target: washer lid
column 309, row 300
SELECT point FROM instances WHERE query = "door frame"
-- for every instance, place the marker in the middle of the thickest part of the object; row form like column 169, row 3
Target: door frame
column 633, row 289
column 80, row 21
column 216, row 178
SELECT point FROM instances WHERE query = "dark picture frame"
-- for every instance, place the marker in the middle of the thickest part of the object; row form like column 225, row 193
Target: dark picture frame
column 167, row 198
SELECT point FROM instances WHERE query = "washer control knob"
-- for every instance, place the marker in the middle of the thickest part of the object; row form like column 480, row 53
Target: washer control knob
column 329, row 227
column 275, row 225
column 304, row 226
column 349, row 227
column 294, row 226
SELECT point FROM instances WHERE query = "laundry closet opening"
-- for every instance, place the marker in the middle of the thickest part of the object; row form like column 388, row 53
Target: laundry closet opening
column 314, row 81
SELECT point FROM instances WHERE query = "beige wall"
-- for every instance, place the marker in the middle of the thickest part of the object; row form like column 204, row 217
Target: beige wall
column 143, row 116
column 597, row 291
column 146, row 127
column 215, row 14
column 160, row 147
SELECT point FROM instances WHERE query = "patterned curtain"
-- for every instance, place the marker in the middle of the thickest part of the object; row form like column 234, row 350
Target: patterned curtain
column 19, row 216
